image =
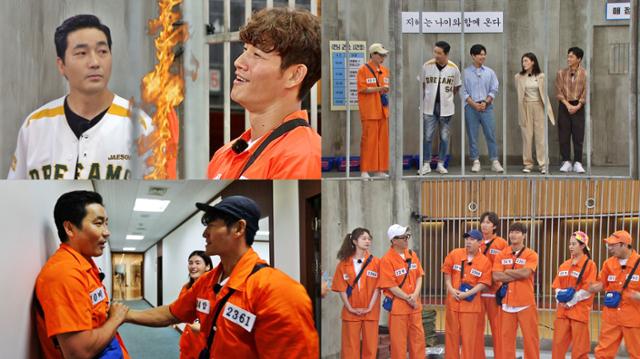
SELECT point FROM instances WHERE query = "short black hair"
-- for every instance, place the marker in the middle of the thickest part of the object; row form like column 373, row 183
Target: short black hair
column 229, row 221
column 493, row 218
column 444, row 46
column 75, row 23
column 518, row 227
column 72, row 207
column 477, row 49
column 576, row 51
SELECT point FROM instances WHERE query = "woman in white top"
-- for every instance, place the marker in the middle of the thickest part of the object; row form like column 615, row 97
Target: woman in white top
column 532, row 100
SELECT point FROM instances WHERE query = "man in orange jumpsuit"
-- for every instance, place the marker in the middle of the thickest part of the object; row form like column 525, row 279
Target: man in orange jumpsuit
column 515, row 267
column 373, row 86
column 466, row 273
column 491, row 245
column 401, row 278
column 576, row 275
column 279, row 65
column 619, row 277
column 246, row 308
column 74, row 318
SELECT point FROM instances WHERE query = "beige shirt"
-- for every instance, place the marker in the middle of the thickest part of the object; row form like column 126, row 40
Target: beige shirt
column 531, row 92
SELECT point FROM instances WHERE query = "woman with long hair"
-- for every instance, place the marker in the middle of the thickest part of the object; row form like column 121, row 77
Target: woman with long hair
column 191, row 342
column 532, row 100
column 571, row 284
column 356, row 281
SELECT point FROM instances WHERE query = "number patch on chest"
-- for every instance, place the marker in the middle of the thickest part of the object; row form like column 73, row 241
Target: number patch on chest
column 521, row 261
column 371, row 80
column 563, row 273
column 203, row 306
column 611, row 278
column 97, row 296
column 476, row 273
column 239, row 316
column 400, row 272
column 457, row 267
column 372, row 274
column 494, row 251
column 507, row 261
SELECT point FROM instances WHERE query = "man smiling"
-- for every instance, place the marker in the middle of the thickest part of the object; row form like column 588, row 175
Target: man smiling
column 279, row 65
column 89, row 133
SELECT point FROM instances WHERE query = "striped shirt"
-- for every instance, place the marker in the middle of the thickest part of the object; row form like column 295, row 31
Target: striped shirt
column 571, row 85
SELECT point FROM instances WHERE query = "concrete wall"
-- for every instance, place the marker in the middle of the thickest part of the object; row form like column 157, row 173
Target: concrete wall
column 286, row 244
column 30, row 239
column 28, row 73
column 350, row 204
column 523, row 32
column 150, row 273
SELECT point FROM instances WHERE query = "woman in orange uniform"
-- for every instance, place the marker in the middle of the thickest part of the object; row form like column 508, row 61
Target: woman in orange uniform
column 574, row 300
column 191, row 342
column 356, row 280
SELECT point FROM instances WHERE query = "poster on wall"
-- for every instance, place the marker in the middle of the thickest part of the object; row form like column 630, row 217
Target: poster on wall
column 339, row 76
column 618, row 11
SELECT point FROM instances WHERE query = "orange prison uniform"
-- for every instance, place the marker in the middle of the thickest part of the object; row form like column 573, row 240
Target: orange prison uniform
column 294, row 155
column 191, row 343
column 489, row 295
column 353, row 326
column 462, row 318
column 269, row 315
column 519, row 294
column 572, row 324
column 72, row 297
column 621, row 322
column 374, row 145
column 405, row 322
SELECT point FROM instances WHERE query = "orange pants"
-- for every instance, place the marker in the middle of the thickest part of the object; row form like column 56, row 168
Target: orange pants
column 374, row 146
column 351, row 334
column 403, row 328
column 493, row 312
column 568, row 331
column 528, row 321
column 610, row 337
column 463, row 327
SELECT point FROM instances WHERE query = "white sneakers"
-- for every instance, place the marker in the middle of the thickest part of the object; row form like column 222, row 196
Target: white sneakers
column 426, row 168
column 476, row 166
column 495, row 166
column 441, row 168
column 567, row 167
column 365, row 175
column 381, row 174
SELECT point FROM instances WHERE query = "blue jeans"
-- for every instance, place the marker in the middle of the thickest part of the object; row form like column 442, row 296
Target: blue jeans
column 473, row 120
column 430, row 124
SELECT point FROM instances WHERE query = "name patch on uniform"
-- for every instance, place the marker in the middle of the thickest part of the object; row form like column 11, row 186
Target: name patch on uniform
column 635, row 278
column 345, row 276
column 575, row 274
column 457, row 267
column 371, row 80
column 386, row 80
column 563, row 273
column 521, row 261
column 401, row 271
column 239, row 316
column 475, row 272
column 97, row 296
column 414, row 266
column 494, row 251
column 372, row 274
column 507, row 261
column 611, row 278
column 203, row 306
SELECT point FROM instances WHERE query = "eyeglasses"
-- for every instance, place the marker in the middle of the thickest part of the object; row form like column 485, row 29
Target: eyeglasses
column 404, row 236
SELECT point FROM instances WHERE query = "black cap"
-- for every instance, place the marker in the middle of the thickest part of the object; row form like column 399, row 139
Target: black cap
column 240, row 207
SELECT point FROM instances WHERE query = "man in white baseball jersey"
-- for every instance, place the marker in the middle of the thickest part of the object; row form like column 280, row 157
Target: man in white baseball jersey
column 88, row 134
column 440, row 82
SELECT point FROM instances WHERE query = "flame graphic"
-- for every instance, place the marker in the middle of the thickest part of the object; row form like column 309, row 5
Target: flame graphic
column 165, row 90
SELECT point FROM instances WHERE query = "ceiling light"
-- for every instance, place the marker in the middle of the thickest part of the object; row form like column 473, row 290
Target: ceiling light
column 129, row 248
column 135, row 237
column 150, row 205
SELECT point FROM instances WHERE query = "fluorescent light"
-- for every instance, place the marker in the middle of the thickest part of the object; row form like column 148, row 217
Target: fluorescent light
column 150, row 205
column 135, row 237
column 129, row 248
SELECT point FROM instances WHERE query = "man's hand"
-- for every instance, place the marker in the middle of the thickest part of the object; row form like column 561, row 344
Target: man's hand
column 635, row 295
column 118, row 312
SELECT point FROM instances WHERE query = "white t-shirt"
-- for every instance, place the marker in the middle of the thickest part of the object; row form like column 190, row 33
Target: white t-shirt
column 449, row 78
column 48, row 149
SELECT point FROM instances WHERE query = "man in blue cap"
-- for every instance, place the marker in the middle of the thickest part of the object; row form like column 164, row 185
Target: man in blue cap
column 466, row 273
column 249, row 308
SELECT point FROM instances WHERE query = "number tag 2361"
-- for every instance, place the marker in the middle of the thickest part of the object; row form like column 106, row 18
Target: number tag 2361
column 239, row 316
